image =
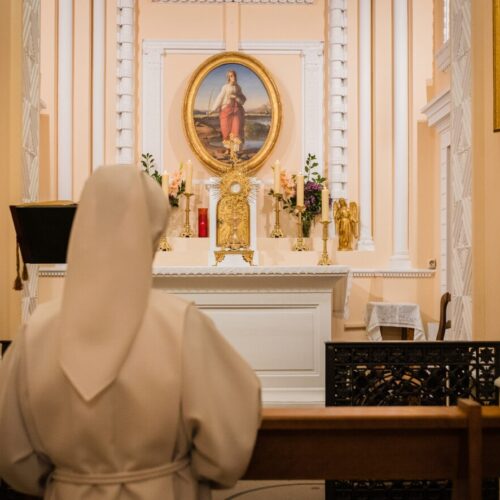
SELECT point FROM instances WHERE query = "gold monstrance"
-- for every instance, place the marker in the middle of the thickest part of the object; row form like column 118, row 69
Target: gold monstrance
column 233, row 211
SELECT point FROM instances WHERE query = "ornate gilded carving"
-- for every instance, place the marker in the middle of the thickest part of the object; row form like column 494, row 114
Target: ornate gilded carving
column 233, row 211
column 346, row 222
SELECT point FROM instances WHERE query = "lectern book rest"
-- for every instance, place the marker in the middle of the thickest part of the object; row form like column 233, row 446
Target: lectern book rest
column 43, row 230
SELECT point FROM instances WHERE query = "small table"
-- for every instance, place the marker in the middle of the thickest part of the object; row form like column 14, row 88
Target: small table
column 400, row 315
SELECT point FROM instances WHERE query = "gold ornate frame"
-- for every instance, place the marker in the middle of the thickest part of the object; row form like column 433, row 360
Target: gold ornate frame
column 201, row 72
column 496, row 65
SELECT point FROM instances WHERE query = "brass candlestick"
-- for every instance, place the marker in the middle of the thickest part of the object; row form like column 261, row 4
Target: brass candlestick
column 164, row 245
column 300, row 245
column 325, row 259
column 187, row 231
column 277, row 232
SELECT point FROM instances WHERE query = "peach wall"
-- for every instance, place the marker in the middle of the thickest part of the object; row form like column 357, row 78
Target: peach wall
column 485, row 182
column 10, row 146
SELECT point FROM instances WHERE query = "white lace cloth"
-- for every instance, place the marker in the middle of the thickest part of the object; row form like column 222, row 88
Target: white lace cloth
column 389, row 314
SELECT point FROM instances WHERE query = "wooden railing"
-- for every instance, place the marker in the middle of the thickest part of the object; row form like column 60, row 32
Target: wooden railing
column 381, row 443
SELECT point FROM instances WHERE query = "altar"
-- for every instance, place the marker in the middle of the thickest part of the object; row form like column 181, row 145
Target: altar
column 278, row 318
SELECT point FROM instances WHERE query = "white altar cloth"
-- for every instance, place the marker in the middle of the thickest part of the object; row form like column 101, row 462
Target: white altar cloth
column 403, row 315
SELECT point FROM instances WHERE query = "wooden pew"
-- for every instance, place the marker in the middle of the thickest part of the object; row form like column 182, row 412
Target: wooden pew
column 373, row 442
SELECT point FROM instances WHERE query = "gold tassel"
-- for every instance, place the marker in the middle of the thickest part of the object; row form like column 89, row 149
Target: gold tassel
column 18, row 284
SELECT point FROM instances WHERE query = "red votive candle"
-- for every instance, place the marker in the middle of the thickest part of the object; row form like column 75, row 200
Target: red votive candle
column 203, row 222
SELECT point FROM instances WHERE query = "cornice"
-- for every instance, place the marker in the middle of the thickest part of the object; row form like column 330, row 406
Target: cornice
column 438, row 110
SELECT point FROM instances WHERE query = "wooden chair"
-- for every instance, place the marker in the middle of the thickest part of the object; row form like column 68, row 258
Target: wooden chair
column 443, row 322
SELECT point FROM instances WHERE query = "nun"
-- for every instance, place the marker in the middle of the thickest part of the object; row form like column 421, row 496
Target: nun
column 117, row 391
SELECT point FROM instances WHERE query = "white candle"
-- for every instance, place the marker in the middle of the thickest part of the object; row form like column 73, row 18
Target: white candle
column 277, row 177
column 325, row 205
column 189, row 177
column 165, row 183
column 299, row 180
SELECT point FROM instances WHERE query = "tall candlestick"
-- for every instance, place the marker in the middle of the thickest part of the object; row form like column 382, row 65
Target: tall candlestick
column 165, row 183
column 189, row 177
column 277, row 177
column 325, row 205
column 300, row 190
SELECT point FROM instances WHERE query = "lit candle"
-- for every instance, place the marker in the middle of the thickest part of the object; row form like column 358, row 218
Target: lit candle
column 165, row 183
column 299, row 180
column 325, row 204
column 189, row 177
column 277, row 177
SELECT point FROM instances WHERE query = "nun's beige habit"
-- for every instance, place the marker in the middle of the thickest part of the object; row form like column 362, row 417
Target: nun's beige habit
column 119, row 392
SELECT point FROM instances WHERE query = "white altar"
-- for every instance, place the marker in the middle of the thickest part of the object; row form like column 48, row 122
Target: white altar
column 277, row 317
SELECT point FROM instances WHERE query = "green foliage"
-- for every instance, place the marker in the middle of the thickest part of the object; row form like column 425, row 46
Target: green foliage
column 149, row 167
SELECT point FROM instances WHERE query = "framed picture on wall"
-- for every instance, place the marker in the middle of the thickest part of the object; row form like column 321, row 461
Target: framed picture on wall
column 233, row 103
column 496, row 65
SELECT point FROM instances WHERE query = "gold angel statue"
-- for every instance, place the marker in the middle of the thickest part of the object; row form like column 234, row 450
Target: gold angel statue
column 346, row 222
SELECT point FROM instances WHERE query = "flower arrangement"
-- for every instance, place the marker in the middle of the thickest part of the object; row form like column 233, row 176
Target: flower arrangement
column 177, row 184
column 313, row 185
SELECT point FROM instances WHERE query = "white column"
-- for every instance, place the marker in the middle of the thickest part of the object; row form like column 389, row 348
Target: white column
column 365, row 125
column 125, row 143
column 98, row 84
column 65, row 101
column 337, row 108
column 400, row 257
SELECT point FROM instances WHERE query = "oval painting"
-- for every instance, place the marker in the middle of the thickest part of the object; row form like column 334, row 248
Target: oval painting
column 232, row 106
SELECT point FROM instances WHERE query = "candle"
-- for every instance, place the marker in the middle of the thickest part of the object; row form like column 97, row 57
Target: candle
column 189, row 177
column 277, row 177
column 325, row 204
column 165, row 183
column 299, row 180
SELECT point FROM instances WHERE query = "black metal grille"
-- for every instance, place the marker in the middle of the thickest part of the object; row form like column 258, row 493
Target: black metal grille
column 408, row 373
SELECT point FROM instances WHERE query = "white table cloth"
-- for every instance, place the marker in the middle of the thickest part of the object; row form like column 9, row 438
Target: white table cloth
column 401, row 315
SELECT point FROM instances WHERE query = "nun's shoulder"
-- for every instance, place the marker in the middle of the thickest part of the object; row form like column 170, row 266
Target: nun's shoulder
column 160, row 300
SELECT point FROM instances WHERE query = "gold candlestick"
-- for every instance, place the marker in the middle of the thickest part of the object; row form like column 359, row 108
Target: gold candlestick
column 300, row 245
column 277, row 232
column 164, row 245
column 187, row 231
column 325, row 259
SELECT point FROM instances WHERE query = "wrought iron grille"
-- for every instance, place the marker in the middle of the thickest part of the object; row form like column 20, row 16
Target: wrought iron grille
column 408, row 373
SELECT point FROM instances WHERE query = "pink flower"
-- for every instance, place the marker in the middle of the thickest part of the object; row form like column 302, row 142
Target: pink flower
column 175, row 183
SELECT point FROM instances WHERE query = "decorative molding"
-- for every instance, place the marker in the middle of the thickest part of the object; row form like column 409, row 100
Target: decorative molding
column 337, row 101
column 393, row 273
column 31, row 131
column 312, row 80
column 152, row 86
column 461, row 170
column 125, row 143
column 443, row 56
column 400, row 258
column 279, row 2
column 264, row 271
column 438, row 111
column 65, row 101
column 98, row 81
